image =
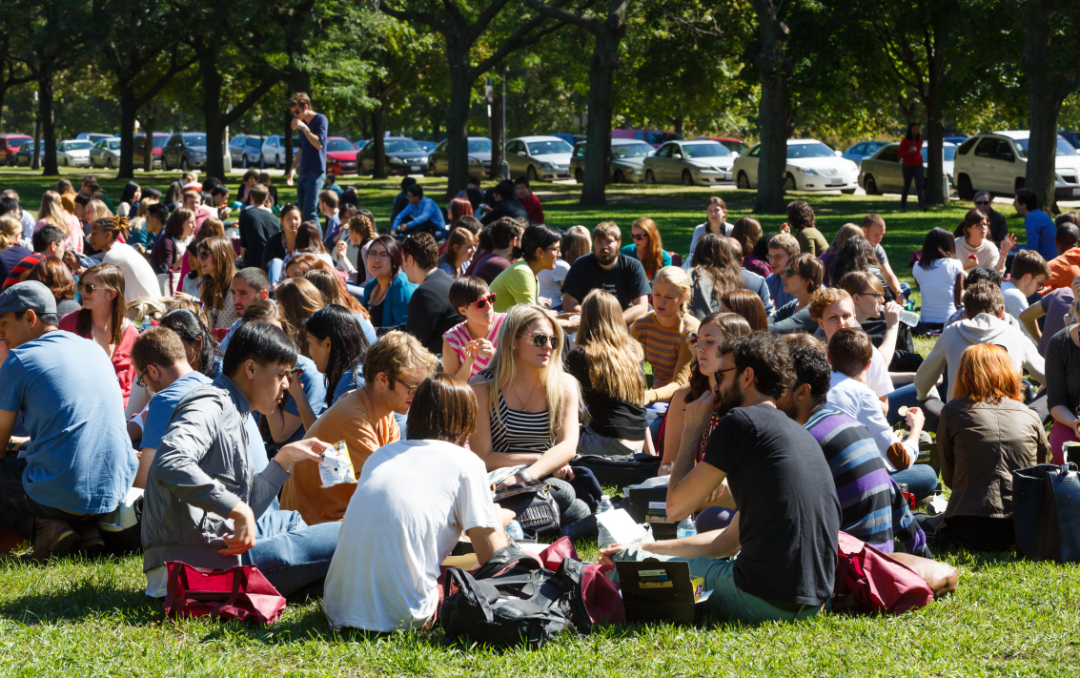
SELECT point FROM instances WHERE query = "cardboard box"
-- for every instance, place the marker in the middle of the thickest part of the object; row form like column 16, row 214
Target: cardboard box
column 649, row 505
column 653, row 590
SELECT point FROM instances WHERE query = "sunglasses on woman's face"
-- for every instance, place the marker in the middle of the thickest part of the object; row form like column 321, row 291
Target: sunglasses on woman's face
column 204, row 254
column 982, row 202
column 638, row 237
column 88, row 288
column 482, row 302
column 540, row 340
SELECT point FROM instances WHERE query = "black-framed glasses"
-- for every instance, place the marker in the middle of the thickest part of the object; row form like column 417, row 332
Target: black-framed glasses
column 876, row 295
column 204, row 254
column 718, row 375
column 639, row 236
column 89, row 288
column 982, row 202
column 139, row 378
column 788, row 272
column 409, row 388
column 540, row 340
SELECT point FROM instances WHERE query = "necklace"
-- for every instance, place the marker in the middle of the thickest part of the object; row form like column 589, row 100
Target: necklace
column 525, row 403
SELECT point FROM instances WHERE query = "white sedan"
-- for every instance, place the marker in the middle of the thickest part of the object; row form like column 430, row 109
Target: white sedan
column 73, row 153
column 811, row 166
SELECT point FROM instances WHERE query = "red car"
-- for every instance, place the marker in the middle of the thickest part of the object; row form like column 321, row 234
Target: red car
column 340, row 156
column 9, row 146
column 139, row 154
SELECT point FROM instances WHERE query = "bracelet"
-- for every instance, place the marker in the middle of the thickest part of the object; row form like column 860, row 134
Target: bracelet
column 524, row 476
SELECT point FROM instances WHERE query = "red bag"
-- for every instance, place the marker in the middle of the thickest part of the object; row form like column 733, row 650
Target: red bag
column 601, row 595
column 868, row 581
column 236, row 593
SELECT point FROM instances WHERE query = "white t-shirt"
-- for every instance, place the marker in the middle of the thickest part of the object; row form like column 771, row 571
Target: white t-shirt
column 412, row 502
column 699, row 231
column 936, row 286
column 987, row 254
column 854, row 399
column 1015, row 304
column 877, row 376
column 140, row 281
column 551, row 281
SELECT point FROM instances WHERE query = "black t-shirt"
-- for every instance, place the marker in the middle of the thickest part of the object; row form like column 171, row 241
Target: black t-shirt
column 789, row 513
column 611, row 417
column 257, row 227
column 626, row 279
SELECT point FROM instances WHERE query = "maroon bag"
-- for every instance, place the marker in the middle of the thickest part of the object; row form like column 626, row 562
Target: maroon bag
column 868, row 581
column 236, row 593
column 601, row 596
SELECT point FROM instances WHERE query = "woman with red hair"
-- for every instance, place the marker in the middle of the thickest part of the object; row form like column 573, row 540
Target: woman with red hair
column 647, row 247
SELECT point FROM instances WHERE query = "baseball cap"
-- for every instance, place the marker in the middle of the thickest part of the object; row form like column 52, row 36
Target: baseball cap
column 28, row 295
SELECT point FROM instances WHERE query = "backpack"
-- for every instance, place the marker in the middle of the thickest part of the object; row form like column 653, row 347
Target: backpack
column 868, row 581
column 620, row 470
column 535, row 508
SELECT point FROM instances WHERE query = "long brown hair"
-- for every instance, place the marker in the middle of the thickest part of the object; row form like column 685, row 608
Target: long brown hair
column 299, row 299
column 987, row 374
column 330, row 285
column 308, row 238
column 732, row 325
column 52, row 273
column 52, row 212
column 749, row 305
column 653, row 259
column 215, row 288
column 747, row 231
column 612, row 357
column 713, row 258
column 109, row 277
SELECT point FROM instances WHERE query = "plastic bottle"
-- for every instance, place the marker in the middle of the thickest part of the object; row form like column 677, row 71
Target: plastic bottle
column 514, row 530
column 686, row 528
column 605, row 504
column 147, row 322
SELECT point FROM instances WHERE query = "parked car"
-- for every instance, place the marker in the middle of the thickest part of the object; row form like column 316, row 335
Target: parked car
column 689, row 163
column 736, row 146
column 997, row 162
column 479, row 157
column 402, row 156
column 360, row 143
column 956, row 138
column 184, row 151
column 93, row 137
column 106, row 153
column 862, row 150
column 245, row 150
column 1072, row 137
column 22, row 156
column 9, row 146
column 539, row 157
column 139, row 155
column 569, row 137
column 811, row 166
column 627, row 161
column 882, row 173
column 273, row 149
column 652, row 137
column 73, row 153
column 426, row 146
column 340, row 156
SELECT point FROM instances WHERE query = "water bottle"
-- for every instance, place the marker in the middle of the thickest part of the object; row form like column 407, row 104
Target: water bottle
column 514, row 530
column 605, row 504
column 686, row 528
column 147, row 323
column 909, row 318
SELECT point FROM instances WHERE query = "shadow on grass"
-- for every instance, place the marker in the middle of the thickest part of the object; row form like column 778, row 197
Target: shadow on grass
column 85, row 599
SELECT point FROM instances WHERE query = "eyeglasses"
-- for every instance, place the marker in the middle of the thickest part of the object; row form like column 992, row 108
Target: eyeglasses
column 204, row 254
column 555, row 249
column 639, row 237
column 982, row 202
column 378, row 254
column 409, row 388
column 482, row 302
column 540, row 340
column 717, row 374
column 788, row 272
column 89, row 288
column 139, row 378
column 876, row 295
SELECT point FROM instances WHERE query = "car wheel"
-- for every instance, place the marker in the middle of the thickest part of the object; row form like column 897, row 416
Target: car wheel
column 742, row 181
column 1020, row 183
column 789, row 183
column 112, row 163
column 277, row 162
column 618, row 177
column 964, row 188
column 184, row 166
column 687, row 178
column 579, row 176
column 870, row 186
column 650, row 178
column 164, row 163
column 531, row 174
column 847, row 191
column 244, row 161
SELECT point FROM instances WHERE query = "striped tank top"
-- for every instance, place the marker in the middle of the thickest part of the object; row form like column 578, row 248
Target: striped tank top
column 514, row 431
column 458, row 335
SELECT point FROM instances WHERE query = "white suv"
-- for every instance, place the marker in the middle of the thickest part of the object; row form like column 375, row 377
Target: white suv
column 997, row 162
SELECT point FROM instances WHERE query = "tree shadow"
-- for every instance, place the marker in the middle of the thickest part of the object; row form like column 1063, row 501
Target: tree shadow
column 85, row 599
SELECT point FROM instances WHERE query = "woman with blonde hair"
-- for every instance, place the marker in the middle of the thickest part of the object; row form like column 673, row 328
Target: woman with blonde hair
column 103, row 318
column 527, row 423
column 217, row 263
column 606, row 361
column 11, row 252
column 461, row 246
column 299, row 299
column 664, row 333
column 52, row 212
column 647, row 247
column 330, row 285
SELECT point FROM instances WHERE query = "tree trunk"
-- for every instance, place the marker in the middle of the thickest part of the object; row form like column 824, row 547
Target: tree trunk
column 935, row 146
column 498, row 134
column 457, row 117
column 378, row 138
column 1044, row 101
column 773, row 67
column 214, row 126
column 149, row 125
column 601, row 106
column 128, row 112
column 677, row 123
column 48, row 124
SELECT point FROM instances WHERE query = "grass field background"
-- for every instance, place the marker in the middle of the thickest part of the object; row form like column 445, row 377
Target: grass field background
column 1009, row 617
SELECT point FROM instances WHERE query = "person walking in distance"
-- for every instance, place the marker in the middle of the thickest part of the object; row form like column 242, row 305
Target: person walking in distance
column 309, row 165
column 912, row 165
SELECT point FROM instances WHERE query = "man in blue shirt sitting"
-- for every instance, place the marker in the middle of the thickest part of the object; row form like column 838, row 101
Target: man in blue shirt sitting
column 79, row 464
column 1038, row 225
column 420, row 215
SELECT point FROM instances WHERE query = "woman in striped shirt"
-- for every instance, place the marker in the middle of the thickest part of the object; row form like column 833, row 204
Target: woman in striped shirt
column 527, row 409
column 664, row 331
column 468, row 347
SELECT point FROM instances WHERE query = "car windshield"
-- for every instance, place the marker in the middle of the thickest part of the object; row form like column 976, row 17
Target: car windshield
column 549, row 147
column 705, row 151
column 339, row 145
column 1063, row 147
column 814, row 150
column 662, row 137
column 638, row 150
column 18, row 143
column 479, row 146
column 113, row 145
column 401, row 146
column 950, row 154
column 195, row 139
column 78, row 145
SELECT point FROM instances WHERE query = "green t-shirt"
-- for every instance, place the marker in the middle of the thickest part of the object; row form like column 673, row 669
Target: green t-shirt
column 516, row 285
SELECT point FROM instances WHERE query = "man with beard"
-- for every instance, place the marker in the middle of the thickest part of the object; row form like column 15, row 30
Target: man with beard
column 785, row 532
column 606, row 268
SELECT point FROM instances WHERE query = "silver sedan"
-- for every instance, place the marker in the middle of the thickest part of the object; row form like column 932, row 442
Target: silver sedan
column 106, row 153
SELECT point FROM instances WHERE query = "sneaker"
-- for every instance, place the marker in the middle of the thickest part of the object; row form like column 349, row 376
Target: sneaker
column 92, row 543
column 52, row 538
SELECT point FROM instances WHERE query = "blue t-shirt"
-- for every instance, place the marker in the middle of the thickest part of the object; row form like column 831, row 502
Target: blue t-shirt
column 314, row 388
column 366, row 329
column 313, row 161
column 80, row 457
column 228, row 336
column 353, row 378
column 1040, row 232
column 163, row 404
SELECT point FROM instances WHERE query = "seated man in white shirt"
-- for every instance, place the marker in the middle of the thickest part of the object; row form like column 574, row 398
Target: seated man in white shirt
column 850, row 351
column 833, row 310
column 1029, row 273
column 413, row 501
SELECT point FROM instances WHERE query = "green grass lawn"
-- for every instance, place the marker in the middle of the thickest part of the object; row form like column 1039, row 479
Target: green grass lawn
column 1009, row 616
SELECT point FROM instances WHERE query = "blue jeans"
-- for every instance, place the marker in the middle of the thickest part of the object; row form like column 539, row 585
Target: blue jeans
column 727, row 602
column 916, row 174
column 308, row 188
column 291, row 553
column 921, row 480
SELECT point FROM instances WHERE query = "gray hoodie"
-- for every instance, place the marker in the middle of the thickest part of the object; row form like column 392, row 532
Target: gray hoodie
column 982, row 329
column 202, row 469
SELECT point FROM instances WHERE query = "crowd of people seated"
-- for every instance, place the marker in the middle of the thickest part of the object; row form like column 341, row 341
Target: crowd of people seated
column 203, row 355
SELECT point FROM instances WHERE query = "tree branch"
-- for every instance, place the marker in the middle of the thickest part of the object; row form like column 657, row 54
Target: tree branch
column 422, row 17
column 556, row 12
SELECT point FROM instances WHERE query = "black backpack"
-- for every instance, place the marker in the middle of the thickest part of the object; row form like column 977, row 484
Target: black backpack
column 536, row 510
column 621, row 470
column 512, row 599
